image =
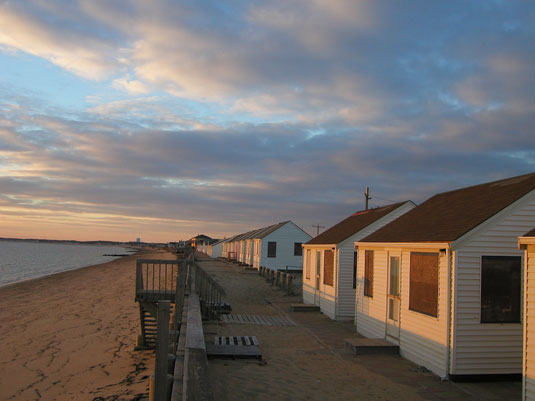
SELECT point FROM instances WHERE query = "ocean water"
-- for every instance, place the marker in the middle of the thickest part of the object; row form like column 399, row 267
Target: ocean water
column 25, row 260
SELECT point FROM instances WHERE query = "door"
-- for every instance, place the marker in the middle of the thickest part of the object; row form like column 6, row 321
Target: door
column 317, row 296
column 393, row 302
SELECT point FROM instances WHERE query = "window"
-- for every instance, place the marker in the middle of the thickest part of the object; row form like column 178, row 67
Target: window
column 500, row 289
column 307, row 266
column 368, row 274
column 423, row 286
column 355, row 258
column 298, row 250
column 272, row 250
column 328, row 267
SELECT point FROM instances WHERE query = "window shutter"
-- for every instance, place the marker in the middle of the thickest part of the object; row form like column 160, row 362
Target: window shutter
column 423, row 289
column 328, row 267
column 368, row 273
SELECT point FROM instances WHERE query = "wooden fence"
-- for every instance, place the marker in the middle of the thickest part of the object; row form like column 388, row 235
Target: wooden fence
column 283, row 279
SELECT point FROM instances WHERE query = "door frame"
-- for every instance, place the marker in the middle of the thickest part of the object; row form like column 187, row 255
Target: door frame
column 393, row 334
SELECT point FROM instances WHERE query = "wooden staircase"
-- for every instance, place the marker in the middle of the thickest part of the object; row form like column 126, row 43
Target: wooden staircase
column 148, row 328
column 155, row 281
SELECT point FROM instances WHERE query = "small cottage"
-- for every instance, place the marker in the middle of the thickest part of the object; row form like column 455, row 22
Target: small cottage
column 215, row 250
column 443, row 281
column 279, row 246
column 329, row 261
column 527, row 244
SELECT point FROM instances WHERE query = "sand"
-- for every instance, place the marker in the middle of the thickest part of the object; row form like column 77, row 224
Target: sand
column 71, row 336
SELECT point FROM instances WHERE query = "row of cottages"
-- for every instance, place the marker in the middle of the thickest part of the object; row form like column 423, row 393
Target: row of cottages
column 444, row 280
column 329, row 262
column 527, row 243
column 277, row 246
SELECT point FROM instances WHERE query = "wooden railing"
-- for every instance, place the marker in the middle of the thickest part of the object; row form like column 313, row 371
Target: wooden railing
column 156, row 279
column 183, row 374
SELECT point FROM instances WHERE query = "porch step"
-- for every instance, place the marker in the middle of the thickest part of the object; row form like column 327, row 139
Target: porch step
column 304, row 308
column 367, row 346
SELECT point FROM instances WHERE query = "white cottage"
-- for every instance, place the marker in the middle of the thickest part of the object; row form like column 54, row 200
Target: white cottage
column 444, row 280
column 527, row 243
column 279, row 246
column 329, row 260
column 215, row 250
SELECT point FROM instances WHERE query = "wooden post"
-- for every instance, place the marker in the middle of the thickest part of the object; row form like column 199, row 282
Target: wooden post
column 139, row 278
column 162, row 350
column 284, row 278
column 289, row 285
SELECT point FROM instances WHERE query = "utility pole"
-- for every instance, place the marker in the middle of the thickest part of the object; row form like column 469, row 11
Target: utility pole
column 317, row 226
column 367, row 195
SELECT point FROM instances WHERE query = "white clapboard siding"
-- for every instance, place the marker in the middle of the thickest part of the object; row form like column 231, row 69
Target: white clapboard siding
column 487, row 348
column 423, row 338
column 371, row 311
column 529, row 327
column 285, row 237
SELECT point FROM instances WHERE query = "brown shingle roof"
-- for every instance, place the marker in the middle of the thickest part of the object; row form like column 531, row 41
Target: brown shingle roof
column 447, row 216
column 530, row 233
column 352, row 225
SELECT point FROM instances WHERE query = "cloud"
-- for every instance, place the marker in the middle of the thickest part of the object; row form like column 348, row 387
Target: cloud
column 238, row 115
column 130, row 85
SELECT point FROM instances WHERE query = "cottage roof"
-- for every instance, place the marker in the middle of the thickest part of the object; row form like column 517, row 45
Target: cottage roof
column 530, row 233
column 352, row 225
column 263, row 232
column 447, row 216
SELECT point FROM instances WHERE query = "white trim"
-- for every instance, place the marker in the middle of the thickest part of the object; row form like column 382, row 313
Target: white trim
column 524, row 324
column 525, row 241
column 322, row 246
column 397, row 245
column 467, row 237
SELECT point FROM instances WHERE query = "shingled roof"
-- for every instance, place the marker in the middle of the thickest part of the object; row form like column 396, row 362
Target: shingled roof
column 447, row 216
column 353, row 224
column 530, row 233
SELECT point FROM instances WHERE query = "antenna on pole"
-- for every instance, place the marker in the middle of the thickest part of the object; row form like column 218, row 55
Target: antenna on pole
column 367, row 195
column 317, row 226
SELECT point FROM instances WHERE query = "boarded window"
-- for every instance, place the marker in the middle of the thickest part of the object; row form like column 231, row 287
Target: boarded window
column 298, row 250
column 272, row 250
column 355, row 258
column 307, row 266
column 368, row 273
column 423, row 286
column 328, row 267
column 500, row 289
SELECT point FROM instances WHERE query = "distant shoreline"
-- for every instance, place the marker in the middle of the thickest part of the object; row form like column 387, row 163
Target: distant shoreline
column 60, row 241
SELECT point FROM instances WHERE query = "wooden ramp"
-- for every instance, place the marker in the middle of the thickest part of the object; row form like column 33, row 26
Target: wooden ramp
column 234, row 346
column 265, row 320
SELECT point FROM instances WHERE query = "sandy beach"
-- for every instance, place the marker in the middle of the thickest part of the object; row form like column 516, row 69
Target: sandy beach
column 71, row 336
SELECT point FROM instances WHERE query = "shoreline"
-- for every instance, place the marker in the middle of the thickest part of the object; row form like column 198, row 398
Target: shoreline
column 71, row 335
column 138, row 250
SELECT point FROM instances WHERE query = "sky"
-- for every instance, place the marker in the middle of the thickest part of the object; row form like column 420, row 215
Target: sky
column 166, row 119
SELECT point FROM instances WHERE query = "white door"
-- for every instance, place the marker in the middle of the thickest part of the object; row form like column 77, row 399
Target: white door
column 317, row 295
column 393, row 301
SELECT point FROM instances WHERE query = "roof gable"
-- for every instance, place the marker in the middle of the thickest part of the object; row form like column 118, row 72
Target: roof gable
column 530, row 233
column 353, row 224
column 447, row 216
